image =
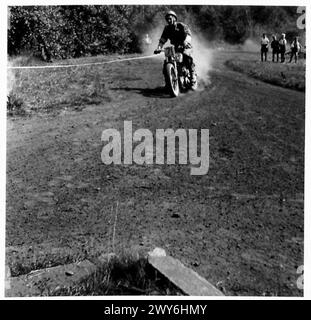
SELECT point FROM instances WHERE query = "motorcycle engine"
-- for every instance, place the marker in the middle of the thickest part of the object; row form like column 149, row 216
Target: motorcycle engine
column 185, row 72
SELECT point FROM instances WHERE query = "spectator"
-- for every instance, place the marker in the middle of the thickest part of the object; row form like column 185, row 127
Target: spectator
column 295, row 48
column 282, row 43
column 264, row 47
column 275, row 48
column 146, row 43
column 147, row 39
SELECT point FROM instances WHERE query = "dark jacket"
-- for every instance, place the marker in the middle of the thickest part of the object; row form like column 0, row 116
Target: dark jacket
column 175, row 33
column 275, row 45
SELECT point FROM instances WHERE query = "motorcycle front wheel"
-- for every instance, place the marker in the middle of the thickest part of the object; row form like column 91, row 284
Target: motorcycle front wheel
column 172, row 80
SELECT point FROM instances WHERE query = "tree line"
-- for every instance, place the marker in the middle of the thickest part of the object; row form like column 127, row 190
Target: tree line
column 75, row 31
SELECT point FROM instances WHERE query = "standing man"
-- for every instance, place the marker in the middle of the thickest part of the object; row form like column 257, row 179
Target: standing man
column 282, row 44
column 295, row 48
column 179, row 34
column 264, row 46
column 146, row 43
column 275, row 48
column 147, row 39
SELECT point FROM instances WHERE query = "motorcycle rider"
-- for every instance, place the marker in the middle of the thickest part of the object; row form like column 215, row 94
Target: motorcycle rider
column 179, row 35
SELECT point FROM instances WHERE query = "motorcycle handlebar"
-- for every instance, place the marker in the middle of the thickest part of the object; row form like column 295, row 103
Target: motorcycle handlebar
column 157, row 51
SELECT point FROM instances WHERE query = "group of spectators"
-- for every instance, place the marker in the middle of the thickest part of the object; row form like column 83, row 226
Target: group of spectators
column 279, row 48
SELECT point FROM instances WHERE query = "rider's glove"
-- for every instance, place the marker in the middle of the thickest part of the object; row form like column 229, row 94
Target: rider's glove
column 158, row 49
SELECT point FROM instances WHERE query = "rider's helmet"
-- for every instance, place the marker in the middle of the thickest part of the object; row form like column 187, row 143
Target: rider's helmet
column 170, row 13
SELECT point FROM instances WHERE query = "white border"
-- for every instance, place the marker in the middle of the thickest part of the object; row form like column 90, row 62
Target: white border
column 307, row 211
column 282, row 3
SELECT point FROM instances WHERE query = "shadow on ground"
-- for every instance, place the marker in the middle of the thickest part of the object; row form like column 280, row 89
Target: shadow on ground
column 158, row 92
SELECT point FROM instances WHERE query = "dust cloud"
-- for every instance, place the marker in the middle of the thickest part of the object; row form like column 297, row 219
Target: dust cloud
column 251, row 46
column 203, row 59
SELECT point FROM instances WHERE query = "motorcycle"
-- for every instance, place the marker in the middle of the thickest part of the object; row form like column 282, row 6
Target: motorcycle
column 176, row 74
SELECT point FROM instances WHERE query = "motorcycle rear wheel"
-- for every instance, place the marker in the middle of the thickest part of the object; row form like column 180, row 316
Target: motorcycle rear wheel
column 172, row 80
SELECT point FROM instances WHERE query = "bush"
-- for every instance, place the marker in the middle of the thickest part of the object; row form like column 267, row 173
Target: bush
column 68, row 31
column 15, row 105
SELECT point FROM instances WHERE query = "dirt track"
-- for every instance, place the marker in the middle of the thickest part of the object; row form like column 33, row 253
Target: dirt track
column 240, row 226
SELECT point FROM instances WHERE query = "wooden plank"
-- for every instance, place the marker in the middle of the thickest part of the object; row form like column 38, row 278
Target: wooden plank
column 184, row 278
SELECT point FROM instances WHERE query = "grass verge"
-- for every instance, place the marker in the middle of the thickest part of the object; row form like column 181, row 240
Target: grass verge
column 15, row 106
column 286, row 75
column 122, row 276
column 51, row 90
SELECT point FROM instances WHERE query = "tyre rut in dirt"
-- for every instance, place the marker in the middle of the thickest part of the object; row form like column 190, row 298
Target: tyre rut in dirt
column 172, row 80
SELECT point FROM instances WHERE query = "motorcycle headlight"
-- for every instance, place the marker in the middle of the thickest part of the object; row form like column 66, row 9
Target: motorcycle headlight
column 179, row 57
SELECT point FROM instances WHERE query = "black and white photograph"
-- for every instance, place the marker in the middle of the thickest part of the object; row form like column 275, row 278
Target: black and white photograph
column 155, row 150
